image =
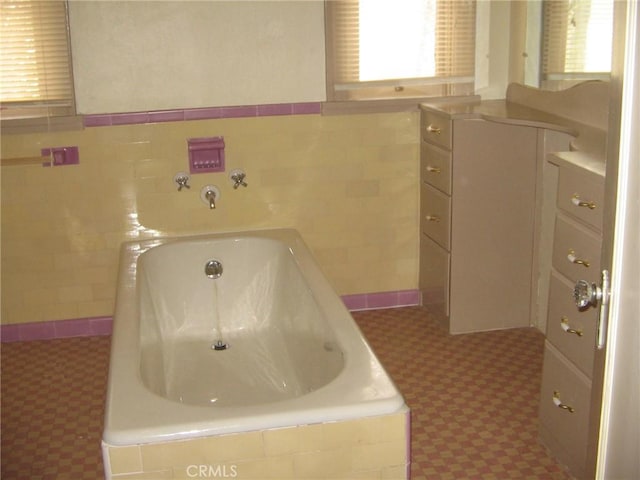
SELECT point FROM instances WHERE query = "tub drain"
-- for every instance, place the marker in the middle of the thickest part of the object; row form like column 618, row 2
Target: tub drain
column 219, row 345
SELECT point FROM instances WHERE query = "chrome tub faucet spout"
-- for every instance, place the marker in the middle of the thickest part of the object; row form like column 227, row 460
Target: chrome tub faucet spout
column 211, row 196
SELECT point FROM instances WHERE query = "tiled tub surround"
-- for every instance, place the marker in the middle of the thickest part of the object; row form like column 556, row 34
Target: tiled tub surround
column 347, row 183
column 374, row 447
column 314, row 411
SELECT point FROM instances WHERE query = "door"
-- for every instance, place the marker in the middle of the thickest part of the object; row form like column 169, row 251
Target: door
column 614, row 436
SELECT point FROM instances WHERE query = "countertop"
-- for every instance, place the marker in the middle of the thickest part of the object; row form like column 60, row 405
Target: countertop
column 580, row 111
column 586, row 139
column 581, row 160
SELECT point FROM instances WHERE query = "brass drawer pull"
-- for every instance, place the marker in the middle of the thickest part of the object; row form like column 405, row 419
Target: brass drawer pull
column 577, row 261
column 564, row 323
column 432, row 129
column 431, row 169
column 559, row 404
column 432, row 218
column 580, row 203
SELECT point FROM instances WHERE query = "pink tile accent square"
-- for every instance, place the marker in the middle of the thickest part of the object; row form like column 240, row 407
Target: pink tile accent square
column 61, row 156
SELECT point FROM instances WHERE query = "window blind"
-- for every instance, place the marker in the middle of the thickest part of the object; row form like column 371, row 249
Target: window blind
column 577, row 39
column 443, row 52
column 35, row 61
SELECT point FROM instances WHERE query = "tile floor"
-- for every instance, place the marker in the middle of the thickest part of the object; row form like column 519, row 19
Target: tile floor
column 473, row 400
column 52, row 408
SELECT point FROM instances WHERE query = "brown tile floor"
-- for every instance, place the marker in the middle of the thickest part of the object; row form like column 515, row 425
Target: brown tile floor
column 473, row 400
column 52, row 408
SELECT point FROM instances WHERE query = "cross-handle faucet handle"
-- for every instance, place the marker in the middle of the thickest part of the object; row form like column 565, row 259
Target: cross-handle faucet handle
column 182, row 180
column 237, row 177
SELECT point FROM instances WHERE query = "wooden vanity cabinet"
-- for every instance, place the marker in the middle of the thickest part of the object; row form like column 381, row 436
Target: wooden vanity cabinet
column 505, row 234
column 477, row 220
column 569, row 349
column 435, row 211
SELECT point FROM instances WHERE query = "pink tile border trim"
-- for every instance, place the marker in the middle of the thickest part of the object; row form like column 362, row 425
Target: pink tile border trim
column 88, row 327
column 79, row 327
column 374, row 301
column 134, row 118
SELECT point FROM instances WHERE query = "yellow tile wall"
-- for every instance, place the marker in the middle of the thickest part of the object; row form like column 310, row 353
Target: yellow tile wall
column 367, row 448
column 348, row 183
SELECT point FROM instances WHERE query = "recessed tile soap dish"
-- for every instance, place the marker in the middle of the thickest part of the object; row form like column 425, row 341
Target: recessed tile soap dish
column 206, row 154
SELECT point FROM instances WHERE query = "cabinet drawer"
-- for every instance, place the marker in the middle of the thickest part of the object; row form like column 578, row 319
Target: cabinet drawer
column 576, row 250
column 571, row 330
column 435, row 167
column 434, row 276
column 435, row 208
column 436, row 128
column 564, row 410
column 581, row 194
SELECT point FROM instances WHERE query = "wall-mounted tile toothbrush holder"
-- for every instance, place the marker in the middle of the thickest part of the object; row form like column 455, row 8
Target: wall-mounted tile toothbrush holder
column 60, row 156
column 206, row 154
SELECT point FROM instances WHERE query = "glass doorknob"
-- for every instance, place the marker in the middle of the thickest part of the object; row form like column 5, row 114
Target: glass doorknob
column 586, row 293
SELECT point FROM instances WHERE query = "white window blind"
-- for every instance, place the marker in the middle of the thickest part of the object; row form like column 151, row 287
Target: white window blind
column 577, row 40
column 413, row 48
column 35, row 60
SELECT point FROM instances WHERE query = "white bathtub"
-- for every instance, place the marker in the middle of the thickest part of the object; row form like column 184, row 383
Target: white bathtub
column 295, row 356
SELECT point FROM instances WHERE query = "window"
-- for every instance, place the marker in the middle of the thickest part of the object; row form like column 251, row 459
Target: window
column 35, row 60
column 379, row 49
column 576, row 41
